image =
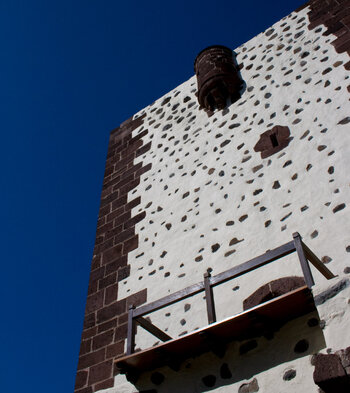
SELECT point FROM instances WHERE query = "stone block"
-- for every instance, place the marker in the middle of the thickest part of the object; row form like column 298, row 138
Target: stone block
column 272, row 290
column 330, row 375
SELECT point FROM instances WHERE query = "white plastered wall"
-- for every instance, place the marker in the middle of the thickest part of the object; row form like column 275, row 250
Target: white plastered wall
column 208, row 187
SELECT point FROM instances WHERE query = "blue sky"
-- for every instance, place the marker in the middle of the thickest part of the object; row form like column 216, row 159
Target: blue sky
column 70, row 72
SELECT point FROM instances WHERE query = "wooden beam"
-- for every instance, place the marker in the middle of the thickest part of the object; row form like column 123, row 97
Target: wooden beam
column 254, row 263
column 317, row 263
column 209, row 298
column 152, row 329
column 303, row 261
column 131, row 331
column 170, row 299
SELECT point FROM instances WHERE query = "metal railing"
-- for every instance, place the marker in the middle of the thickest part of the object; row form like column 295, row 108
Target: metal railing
column 296, row 245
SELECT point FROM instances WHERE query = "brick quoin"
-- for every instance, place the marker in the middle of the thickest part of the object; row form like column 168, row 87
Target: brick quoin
column 335, row 16
column 105, row 323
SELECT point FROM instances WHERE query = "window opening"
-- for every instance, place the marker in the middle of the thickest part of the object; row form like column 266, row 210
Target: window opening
column 274, row 140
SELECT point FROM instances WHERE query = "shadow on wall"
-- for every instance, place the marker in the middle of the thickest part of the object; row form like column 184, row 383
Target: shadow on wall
column 238, row 68
column 242, row 361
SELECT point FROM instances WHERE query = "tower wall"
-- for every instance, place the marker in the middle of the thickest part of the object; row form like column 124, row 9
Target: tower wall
column 185, row 192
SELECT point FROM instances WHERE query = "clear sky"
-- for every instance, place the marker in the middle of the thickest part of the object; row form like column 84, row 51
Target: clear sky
column 70, row 72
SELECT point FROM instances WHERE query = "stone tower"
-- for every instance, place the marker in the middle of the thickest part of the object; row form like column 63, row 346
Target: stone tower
column 217, row 199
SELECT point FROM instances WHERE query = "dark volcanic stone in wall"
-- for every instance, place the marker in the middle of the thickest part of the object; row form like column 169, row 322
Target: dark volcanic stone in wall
column 209, row 380
column 301, row 346
column 272, row 289
column 105, row 324
column 331, row 292
column 157, row 378
column 249, row 387
column 272, row 141
column 333, row 14
column 225, row 372
column 330, row 375
column 344, row 355
column 217, row 77
column 289, row 375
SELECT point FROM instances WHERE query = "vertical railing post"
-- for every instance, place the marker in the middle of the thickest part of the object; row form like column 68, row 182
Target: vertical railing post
column 209, row 298
column 303, row 261
column 131, row 331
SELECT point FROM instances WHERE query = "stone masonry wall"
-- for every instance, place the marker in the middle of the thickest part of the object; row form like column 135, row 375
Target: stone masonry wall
column 335, row 16
column 184, row 192
column 105, row 323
